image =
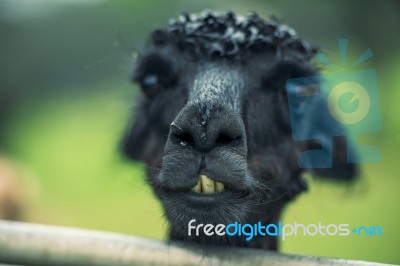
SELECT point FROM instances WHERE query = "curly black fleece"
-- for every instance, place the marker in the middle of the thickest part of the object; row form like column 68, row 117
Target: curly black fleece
column 228, row 35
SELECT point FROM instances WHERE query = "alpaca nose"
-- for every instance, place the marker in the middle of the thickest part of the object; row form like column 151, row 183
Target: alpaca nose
column 205, row 128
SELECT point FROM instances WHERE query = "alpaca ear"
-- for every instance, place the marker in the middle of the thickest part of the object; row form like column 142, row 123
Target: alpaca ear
column 328, row 150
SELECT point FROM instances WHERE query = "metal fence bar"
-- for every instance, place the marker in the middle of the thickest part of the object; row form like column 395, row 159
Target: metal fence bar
column 34, row 244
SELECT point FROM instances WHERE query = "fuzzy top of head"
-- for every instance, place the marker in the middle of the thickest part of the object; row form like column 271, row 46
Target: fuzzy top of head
column 228, row 35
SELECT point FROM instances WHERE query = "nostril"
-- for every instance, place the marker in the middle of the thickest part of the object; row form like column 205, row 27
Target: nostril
column 184, row 139
column 224, row 139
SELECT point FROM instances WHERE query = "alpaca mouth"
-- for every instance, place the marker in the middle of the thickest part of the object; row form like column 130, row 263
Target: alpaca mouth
column 205, row 191
column 207, row 185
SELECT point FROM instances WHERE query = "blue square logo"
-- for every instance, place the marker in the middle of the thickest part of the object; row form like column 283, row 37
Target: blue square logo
column 344, row 104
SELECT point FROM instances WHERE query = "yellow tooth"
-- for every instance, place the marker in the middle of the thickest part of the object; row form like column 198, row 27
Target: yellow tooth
column 197, row 187
column 207, row 184
column 219, row 186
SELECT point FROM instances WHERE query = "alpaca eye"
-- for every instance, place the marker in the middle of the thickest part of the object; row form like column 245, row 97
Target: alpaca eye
column 150, row 84
column 149, row 81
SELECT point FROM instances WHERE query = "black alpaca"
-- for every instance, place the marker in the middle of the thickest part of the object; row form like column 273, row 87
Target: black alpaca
column 213, row 125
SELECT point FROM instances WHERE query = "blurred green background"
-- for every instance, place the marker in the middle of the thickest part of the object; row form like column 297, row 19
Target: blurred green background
column 65, row 100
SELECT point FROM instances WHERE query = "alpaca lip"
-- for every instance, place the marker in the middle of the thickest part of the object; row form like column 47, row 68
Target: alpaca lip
column 207, row 186
column 205, row 191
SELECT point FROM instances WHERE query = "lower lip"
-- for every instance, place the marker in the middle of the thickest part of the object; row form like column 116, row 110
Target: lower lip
column 205, row 199
column 208, row 198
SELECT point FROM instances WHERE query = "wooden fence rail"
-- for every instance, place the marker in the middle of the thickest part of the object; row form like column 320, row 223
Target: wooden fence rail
column 34, row 244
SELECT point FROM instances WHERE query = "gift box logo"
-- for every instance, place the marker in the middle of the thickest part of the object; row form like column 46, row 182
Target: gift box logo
column 344, row 103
